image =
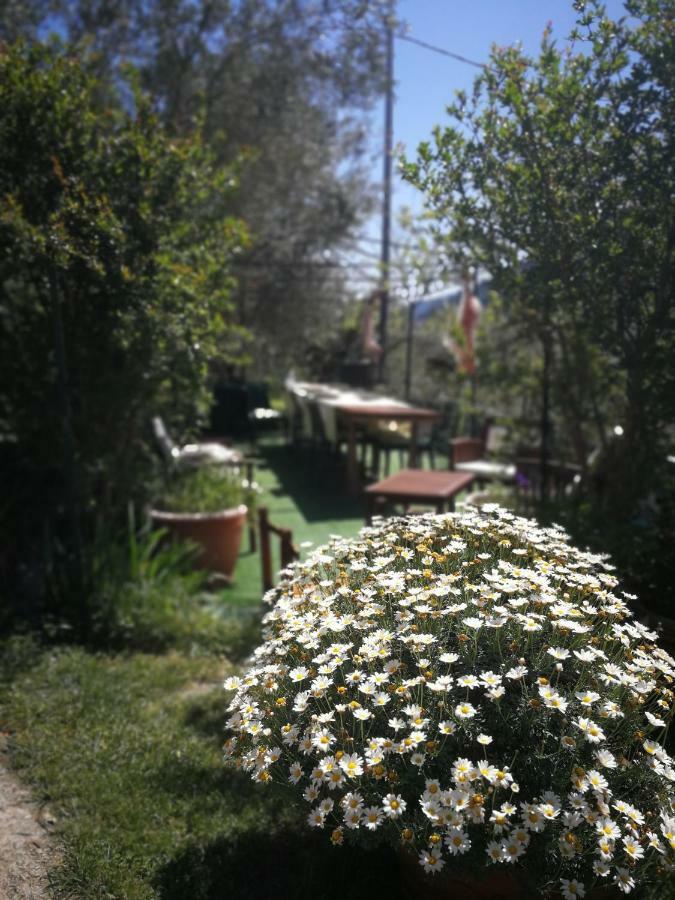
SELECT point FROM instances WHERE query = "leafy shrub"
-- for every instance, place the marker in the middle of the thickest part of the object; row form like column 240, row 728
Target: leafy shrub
column 115, row 249
column 207, row 489
column 149, row 597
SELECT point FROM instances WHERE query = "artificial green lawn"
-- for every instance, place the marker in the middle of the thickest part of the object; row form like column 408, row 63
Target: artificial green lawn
column 304, row 492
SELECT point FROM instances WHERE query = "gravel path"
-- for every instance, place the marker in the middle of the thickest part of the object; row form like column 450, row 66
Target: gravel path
column 27, row 849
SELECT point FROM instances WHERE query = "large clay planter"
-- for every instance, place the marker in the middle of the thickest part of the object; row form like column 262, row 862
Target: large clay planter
column 496, row 883
column 218, row 534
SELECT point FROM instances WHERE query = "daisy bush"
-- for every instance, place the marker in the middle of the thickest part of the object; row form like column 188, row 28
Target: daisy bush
column 472, row 686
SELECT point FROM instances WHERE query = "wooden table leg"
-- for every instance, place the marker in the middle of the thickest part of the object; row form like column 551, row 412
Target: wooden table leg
column 352, row 460
column 412, row 449
column 370, row 508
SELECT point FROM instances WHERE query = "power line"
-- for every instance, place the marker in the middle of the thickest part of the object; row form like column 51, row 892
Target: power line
column 434, row 49
column 371, row 240
column 353, row 247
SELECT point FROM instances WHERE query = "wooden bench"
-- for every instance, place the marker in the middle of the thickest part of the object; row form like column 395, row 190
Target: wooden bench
column 437, row 489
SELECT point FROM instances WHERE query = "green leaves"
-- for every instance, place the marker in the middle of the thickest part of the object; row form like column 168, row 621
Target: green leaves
column 137, row 231
column 557, row 175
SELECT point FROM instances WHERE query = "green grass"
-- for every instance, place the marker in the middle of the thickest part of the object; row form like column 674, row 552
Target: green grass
column 126, row 752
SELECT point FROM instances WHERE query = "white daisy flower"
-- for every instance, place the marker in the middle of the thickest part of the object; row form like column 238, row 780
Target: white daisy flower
column 572, row 889
column 516, row 673
column 317, row 818
column 624, row 881
column 431, row 860
column 654, row 720
column 457, row 841
column 446, row 727
column 393, row 805
column 352, row 765
column 495, row 851
column 605, row 759
column 372, row 817
column 299, row 674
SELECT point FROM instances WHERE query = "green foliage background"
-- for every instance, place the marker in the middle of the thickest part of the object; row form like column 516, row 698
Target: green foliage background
column 116, row 245
column 556, row 176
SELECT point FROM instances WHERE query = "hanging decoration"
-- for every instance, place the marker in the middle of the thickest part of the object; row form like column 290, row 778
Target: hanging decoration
column 468, row 314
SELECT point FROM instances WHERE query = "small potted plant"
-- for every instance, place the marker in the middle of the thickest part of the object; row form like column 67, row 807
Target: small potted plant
column 474, row 690
column 208, row 505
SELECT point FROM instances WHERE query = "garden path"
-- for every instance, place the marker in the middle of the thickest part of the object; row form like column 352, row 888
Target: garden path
column 27, row 850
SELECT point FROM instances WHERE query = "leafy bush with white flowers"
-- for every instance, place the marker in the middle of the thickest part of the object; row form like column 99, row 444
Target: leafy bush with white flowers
column 472, row 686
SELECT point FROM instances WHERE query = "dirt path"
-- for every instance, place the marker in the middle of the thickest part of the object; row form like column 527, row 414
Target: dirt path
column 27, row 849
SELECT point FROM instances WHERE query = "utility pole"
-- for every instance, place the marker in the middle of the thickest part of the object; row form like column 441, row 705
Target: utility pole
column 409, row 348
column 386, row 195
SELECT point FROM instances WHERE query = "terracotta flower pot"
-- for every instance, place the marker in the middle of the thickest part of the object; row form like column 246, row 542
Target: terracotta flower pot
column 499, row 883
column 495, row 883
column 218, row 534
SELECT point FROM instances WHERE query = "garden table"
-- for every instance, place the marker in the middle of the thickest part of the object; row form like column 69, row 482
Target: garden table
column 390, row 411
column 354, row 407
column 418, row 486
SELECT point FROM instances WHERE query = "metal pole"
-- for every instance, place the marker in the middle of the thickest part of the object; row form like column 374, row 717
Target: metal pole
column 545, row 449
column 544, row 452
column 386, row 197
column 409, row 349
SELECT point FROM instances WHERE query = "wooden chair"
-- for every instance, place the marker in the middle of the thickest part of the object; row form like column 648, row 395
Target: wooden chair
column 563, row 479
column 287, row 550
column 468, row 454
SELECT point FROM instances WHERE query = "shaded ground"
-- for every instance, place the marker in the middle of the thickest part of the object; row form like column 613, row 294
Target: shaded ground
column 129, row 750
column 27, row 851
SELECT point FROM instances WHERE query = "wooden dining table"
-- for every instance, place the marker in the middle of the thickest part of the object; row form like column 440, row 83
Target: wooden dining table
column 354, row 415
column 354, row 407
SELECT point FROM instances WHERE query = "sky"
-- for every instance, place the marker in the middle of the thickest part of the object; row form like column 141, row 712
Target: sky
column 426, row 81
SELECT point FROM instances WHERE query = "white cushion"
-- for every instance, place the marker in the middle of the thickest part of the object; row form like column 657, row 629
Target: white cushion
column 485, row 468
column 208, row 453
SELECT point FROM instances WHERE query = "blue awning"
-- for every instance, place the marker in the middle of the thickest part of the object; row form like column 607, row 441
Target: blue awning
column 431, row 303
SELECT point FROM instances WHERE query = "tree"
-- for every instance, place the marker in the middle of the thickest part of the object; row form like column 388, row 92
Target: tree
column 558, row 177
column 116, row 244
column 290, row 83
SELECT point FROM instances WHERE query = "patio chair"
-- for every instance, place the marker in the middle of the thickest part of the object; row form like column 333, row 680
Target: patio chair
column 210, row 452
column 475, row 455
column 287, row 550
column 430, row 438
column 261, row 415
column 562, row 478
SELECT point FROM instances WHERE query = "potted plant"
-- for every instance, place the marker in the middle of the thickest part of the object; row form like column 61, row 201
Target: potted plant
column 475, row 690
column 208, row 505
